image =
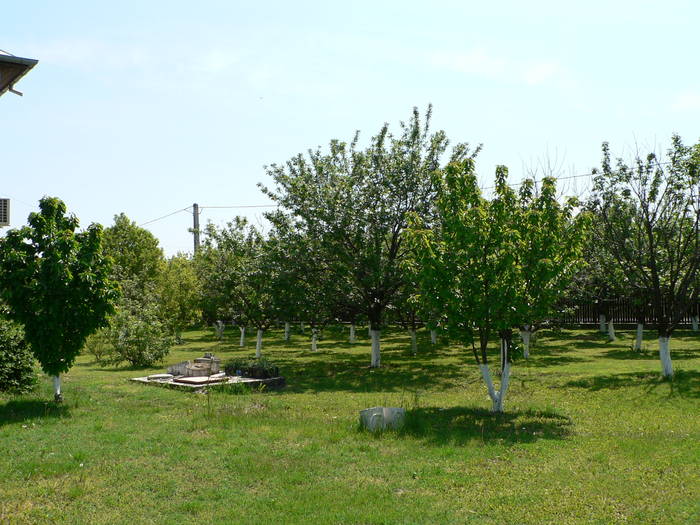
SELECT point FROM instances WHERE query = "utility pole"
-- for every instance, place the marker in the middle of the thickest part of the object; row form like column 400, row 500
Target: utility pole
column 195, row 226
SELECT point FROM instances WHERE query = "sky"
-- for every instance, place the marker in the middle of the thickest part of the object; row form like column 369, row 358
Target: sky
column 148, row 107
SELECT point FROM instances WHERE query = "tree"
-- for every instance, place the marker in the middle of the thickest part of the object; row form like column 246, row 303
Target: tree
column 471, row 262
column 57, row 284
column 134, row 251
column 178, row 293
column 355, row 204
column 249, row 275
column 650, row 213
column 552, row 242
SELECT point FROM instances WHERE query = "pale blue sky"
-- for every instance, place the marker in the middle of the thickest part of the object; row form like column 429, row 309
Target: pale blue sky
column 146, row 107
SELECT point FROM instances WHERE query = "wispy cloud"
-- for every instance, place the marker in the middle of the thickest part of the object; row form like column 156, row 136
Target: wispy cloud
column 687, row 101
column 479, row 62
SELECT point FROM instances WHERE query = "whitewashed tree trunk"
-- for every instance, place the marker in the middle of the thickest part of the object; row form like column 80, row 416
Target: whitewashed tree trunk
column 525, row 336
column 314, row 340
column 497, row 396
column 369, row 331
column 376, row 356
column 640, row 337
column 286, row 331
column 694, row 321
column 352, row 333
column 601, row 322
column 242, row 329
column 301, row 326
column 611, row 331
column 433, row 337
column 57, row 388
column 665, row 355
column 414, row 346
column 258, row 344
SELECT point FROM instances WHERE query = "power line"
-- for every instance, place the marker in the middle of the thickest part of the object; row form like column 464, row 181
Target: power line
column 241, row 206
column 165, row 216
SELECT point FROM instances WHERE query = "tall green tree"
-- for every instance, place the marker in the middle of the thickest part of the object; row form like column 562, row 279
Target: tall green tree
column 56, row 282
column 478, row 262
column 248, row 282
column 178, row 291
column 552, row 239
column 355, row 202
column 650, row 214
column 135, row 253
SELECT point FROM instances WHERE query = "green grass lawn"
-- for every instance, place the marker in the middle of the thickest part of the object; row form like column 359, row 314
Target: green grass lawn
column 591, row 434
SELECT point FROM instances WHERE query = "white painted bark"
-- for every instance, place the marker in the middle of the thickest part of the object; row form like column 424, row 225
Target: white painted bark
column 369, row 330
column 314, row 340
column 525, row 336
column 414, row 346
column 301, row 326
column 433, row 337
column 376, row 355
column 665, row 355
column 286, row 331
column 497, row 396
column 258, row 344
column 242, row 329
column 611, row 332
column 639, row 338
column 694, row 321
column 57, row 387
column 601, row 321
column 352, row 333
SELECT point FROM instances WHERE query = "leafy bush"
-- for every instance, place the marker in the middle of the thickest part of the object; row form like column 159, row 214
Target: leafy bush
column 138, row 338
column 17, row 370
column 252, row 368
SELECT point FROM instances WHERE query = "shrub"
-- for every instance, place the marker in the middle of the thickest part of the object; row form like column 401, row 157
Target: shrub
column 252, row 368
column 135, row 335
column 17, row 370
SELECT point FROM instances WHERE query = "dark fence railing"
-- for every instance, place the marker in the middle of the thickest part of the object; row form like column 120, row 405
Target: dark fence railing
column 621, row 311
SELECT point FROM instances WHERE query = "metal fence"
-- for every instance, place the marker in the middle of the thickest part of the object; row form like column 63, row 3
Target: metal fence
column 621, row 311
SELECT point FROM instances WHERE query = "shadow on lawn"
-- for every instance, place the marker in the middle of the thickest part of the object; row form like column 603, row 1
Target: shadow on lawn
column 338, row 371
column 461, row 425
column 685, row 383
column 20, row 410
column 645, row 355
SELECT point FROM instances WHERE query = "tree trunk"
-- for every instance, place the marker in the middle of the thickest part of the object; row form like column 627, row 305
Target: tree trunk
column 352, row 333
column 497, row 396
column 376, row 356
column 286, row 331
column 242, row 329
column 57, row 396
column 639, row 338
column 414, row 347
column 611, row 331
column 694, row 322
column 601, row 322
column 301, row 326
column 525, row 334
column 314, row 340
column 369, row 330
column 258, row 344
column 665, row 355
column 433, row 337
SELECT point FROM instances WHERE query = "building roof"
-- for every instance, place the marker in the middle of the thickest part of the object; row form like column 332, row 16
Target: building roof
column 12, row 69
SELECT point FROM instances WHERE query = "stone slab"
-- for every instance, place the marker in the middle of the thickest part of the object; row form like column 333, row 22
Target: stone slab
column 274, row 383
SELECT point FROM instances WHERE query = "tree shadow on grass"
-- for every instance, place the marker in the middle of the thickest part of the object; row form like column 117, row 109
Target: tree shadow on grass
column 538, row 361
column 645, row 355
column 463, row 425
column 20, row 410
column 349, row 372
column 685, row 383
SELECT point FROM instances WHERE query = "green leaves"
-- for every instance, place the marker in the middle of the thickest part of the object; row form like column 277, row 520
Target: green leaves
column 56, row 283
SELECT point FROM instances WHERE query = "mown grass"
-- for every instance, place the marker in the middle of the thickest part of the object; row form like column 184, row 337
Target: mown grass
column 591, row 435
